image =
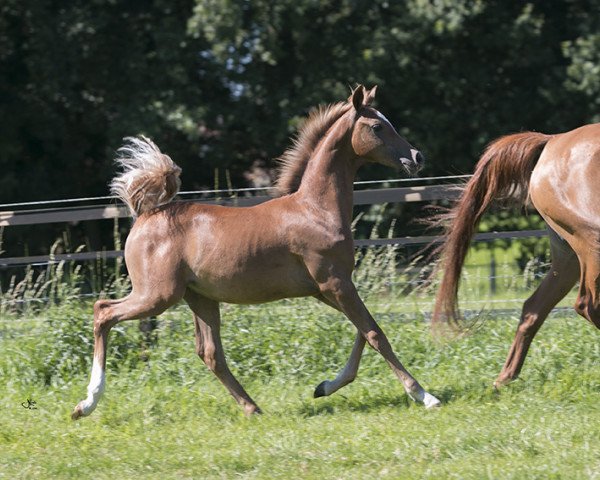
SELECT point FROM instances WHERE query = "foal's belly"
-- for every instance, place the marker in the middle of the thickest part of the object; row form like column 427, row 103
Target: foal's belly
column 252, row 279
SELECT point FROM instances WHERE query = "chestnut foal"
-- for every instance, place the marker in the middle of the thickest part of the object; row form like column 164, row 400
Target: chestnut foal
column 297, row 245
column 561, row 175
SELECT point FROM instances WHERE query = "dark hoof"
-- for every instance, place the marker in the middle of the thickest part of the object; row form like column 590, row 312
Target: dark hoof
column 320, row 390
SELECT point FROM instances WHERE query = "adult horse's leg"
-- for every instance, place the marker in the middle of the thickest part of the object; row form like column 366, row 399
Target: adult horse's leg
column 557, row 283
column 348, row 373
column 207, row 323
column 107, row 313
column 342, row 292
column 588, row 298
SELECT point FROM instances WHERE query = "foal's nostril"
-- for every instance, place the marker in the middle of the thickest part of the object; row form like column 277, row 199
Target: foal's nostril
column 419, row 158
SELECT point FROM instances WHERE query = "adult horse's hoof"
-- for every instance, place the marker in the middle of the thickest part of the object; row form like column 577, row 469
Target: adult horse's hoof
column 320, row 390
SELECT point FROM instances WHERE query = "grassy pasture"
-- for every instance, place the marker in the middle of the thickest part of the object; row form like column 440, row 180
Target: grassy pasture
column 168, row 417
column 165, row 416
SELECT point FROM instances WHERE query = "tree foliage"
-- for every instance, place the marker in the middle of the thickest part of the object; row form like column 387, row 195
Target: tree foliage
column 222, row 84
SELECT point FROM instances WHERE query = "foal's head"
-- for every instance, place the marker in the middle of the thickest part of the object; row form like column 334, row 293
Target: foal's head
column 374, row 139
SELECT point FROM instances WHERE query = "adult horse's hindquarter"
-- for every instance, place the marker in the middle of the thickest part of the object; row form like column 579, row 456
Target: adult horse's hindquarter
column 297, row 245
column 561, row 175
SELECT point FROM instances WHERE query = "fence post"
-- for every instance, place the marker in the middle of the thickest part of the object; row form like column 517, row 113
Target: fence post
column 493, row 274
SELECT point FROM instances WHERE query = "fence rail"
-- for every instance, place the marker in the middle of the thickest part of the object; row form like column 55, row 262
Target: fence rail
column 10, row 218
column 423, row 240
column 105, row 212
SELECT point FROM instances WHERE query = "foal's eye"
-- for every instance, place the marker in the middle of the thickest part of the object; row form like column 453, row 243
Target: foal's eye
column 377, row 127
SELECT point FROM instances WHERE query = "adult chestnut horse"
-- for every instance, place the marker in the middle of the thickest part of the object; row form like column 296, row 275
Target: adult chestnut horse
column 297, row 245
column 562, row 175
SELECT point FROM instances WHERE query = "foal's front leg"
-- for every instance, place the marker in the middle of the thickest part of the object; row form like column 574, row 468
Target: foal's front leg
column 348, row 373
column 342, row 293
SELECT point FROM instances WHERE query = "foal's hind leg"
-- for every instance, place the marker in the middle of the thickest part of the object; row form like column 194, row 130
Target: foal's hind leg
column 348, row 373
column 557, row 283
column 207, row 323
column 107, row 313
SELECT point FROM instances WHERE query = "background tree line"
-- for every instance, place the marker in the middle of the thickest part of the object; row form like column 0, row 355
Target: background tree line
column 221, row 85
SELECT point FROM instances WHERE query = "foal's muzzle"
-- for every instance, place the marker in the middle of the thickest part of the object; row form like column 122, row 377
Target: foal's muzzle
column 415, row 163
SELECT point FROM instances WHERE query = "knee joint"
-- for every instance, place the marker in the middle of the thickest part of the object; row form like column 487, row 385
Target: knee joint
column 529, row 325
column 207, row 354
column 102, row 316
column 375, row 338
column 336, row 287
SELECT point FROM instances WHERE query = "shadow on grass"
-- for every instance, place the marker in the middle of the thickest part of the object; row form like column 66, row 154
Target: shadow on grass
column 473, row 391
column 373, row 401
column 342, row 404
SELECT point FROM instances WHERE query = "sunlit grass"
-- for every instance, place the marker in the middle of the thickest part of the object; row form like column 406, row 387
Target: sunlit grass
column 164, row 415
column 170, row 418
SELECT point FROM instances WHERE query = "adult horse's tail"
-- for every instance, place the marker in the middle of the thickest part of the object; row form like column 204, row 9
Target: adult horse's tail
column 503, row 171
column 149, row 179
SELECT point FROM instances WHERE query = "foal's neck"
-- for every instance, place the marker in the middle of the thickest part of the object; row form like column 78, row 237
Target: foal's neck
column 329, row 176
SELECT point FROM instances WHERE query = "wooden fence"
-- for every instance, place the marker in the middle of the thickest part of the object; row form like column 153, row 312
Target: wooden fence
column 106, row 212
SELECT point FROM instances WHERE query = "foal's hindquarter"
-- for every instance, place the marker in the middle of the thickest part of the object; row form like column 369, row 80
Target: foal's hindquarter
column 294, row 246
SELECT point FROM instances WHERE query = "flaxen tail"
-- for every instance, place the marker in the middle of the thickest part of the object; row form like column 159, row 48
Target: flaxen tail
column 149, row 179
column 503, row 172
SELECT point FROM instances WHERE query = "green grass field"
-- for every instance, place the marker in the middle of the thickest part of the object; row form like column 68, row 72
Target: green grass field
column 165, row 416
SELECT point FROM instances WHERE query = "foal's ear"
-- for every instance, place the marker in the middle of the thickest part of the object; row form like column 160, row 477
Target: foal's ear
column 357, row 97
column 370, row 95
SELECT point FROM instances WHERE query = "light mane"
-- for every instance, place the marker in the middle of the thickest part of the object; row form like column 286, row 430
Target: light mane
column 294, row 160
